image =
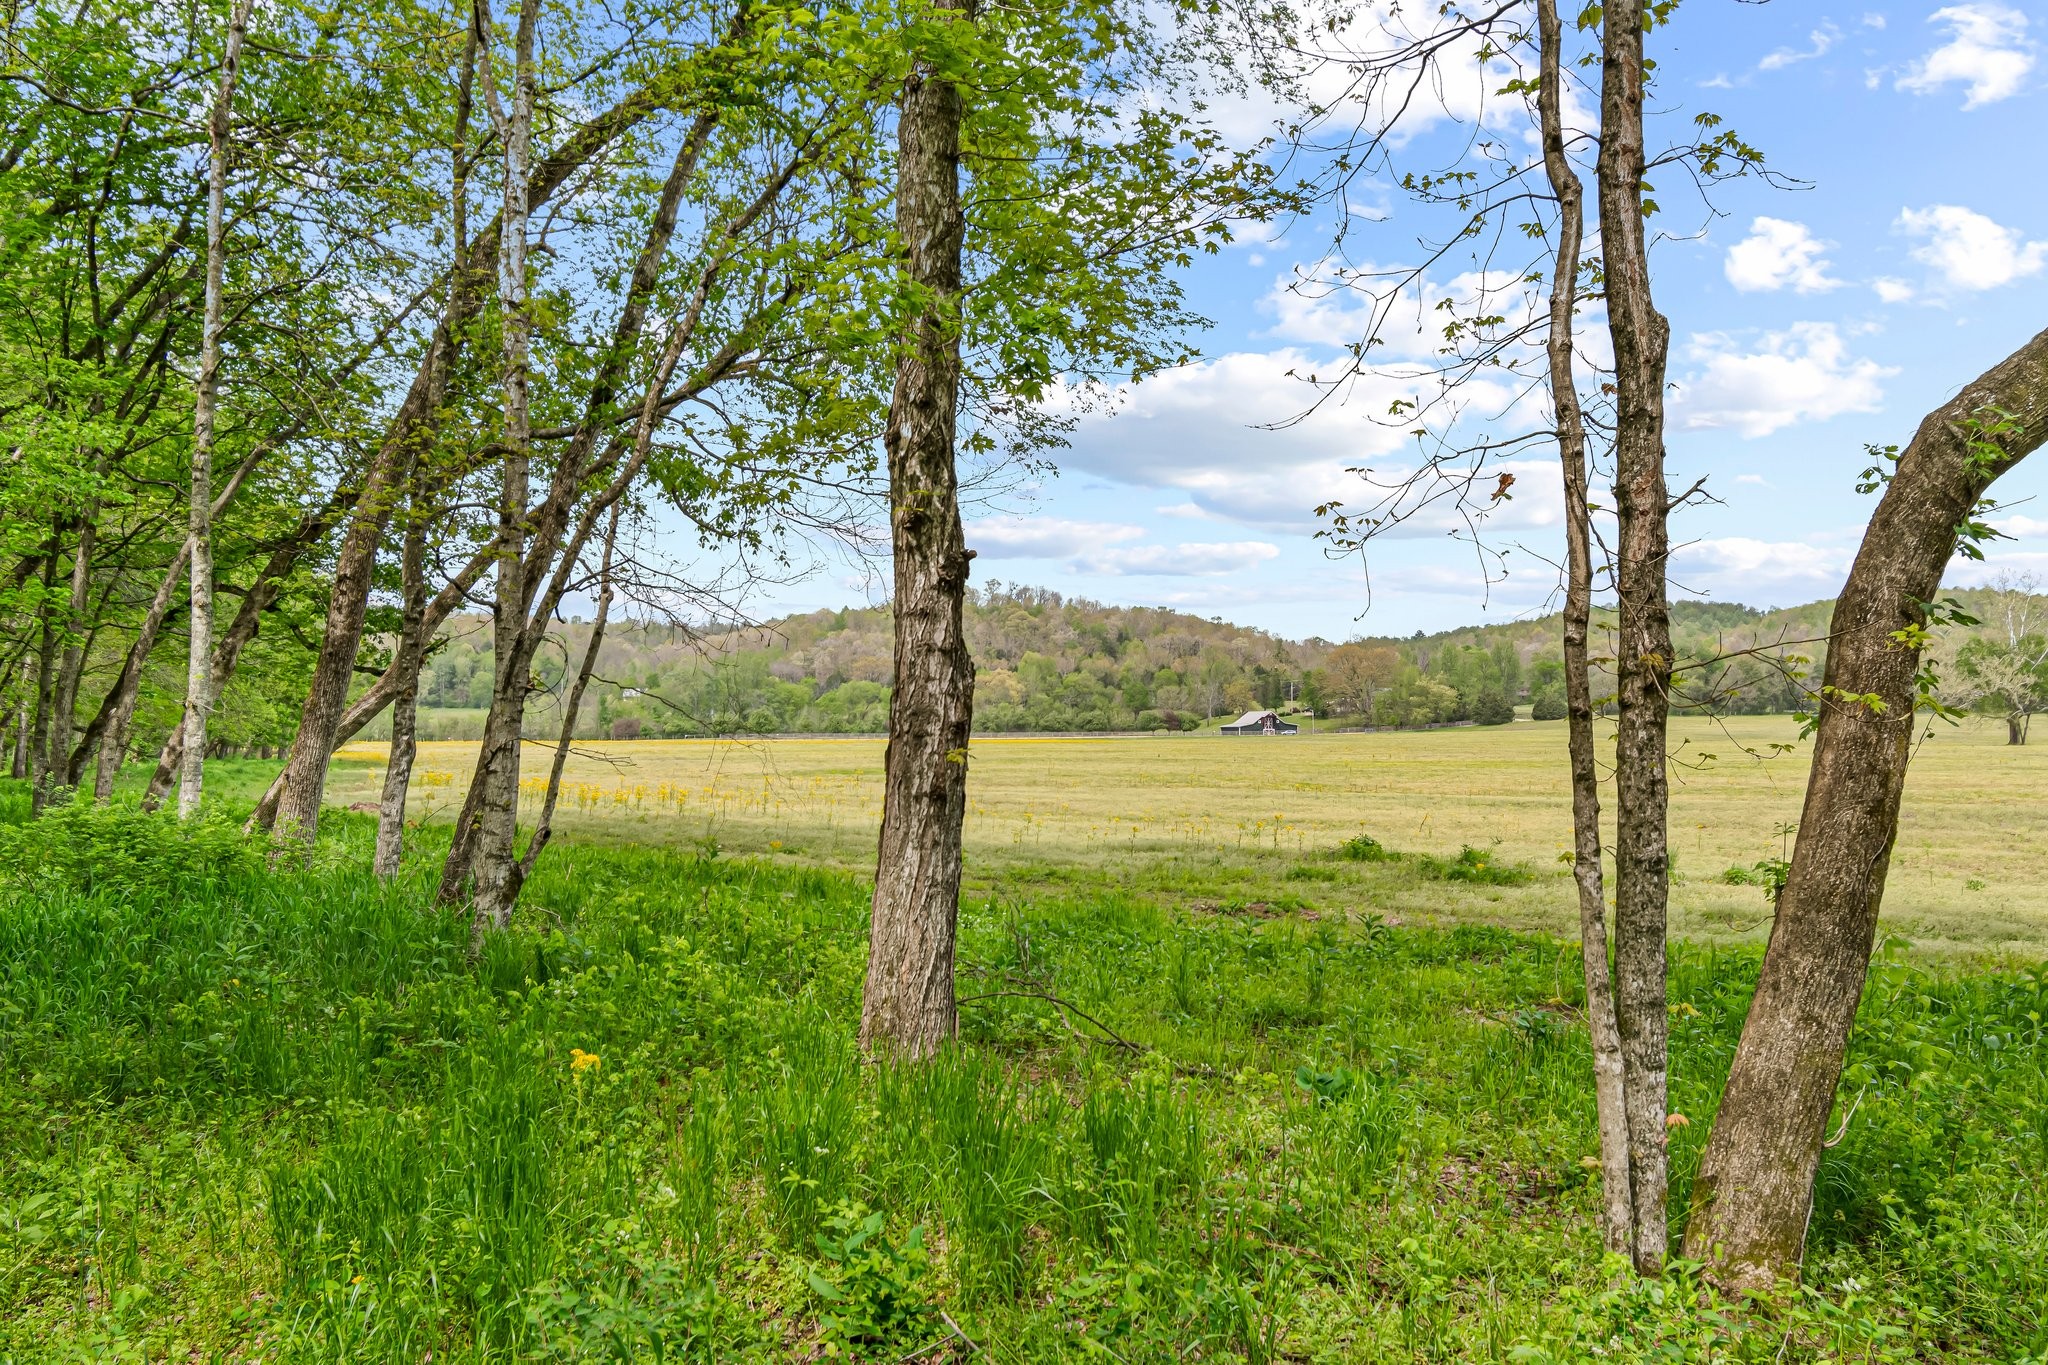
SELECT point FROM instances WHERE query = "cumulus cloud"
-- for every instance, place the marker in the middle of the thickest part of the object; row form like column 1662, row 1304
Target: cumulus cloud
column 1890, row 290
column 1194, row 431
column 1802, row 374
column 1987, row 50
column 1968, row 250
column 1023, row 537
column 1178, row 561
column 1778, row 254
column 1819, row 41
column 1761, row 572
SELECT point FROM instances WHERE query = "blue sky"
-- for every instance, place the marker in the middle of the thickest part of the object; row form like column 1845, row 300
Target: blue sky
column 1805, row 323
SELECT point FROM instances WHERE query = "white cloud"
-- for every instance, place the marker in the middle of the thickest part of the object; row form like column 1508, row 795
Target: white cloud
column 1890, row 290
column 2018, row 527
column 1179, row 561
column 1183, row 511
column 1018, row 537
column 1873, row 20
column 1968, row 249
column 1759, row 480
column 1760, row 572
column 1822, row 38
column 1987, row 50
column 1802, row 374
column 1778, row 254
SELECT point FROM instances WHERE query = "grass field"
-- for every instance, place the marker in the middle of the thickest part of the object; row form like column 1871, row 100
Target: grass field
column 1229, row 823
column 285, row 1115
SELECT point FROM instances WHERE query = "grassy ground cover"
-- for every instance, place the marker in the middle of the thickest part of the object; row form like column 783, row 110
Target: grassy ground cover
column 288, row 1116
column 1199, row 818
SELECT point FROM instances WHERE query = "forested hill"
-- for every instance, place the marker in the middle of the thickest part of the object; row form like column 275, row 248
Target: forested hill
column 1050, row 663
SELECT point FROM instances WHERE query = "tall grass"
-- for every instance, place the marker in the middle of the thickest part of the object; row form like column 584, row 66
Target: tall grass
column 287, row 1114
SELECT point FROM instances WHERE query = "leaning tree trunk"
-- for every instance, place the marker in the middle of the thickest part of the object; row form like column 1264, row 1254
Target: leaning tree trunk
column 63, row 720
column 908, row 1005
column 495, row 820
column 405, row 706
column 1617, row 1206
column 199, row 659
column 1754, row 1193
column 1641, row 339
column 41, row 760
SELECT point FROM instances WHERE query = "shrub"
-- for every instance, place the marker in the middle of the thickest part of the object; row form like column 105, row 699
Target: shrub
column 1363, row 848
column 86, row 848
column 1493, row 708
column 876, row 1298
column 1548, row 704
column 1477, row 866
column 626, row 727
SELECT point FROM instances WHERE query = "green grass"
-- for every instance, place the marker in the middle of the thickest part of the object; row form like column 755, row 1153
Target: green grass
column 285, row 1115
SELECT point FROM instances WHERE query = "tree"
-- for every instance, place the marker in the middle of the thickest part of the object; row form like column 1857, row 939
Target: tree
column 1641, row 339
column 2006, row 671
column 1573, row 701
column 907, row 1002
column 1083, row 197
column 198, row 676
column 1754, row 1191
column 1354, row 672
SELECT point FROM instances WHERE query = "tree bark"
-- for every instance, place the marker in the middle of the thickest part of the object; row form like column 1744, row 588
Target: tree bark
column 199, row 700
column 1641, row 338
column 41, row 761
column 412, row 648
column 64, row 715
column 1754, row 1193
column 17, row 767
column 1617, row 1226
column 497, row 781
column 908, row 1006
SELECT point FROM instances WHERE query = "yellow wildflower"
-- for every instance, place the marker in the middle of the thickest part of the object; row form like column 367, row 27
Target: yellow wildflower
column 580, row 1061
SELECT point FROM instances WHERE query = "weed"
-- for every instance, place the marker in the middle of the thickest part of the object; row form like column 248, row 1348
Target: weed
column 874, row 1290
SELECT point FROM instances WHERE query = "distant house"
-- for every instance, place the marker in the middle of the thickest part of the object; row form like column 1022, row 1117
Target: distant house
column 1260, row 723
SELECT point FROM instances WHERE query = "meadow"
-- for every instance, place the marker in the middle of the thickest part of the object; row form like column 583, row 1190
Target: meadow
column 1270, row 1094
column 1200, row 820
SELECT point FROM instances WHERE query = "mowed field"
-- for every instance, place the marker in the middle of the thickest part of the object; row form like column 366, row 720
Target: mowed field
column 1253, row 826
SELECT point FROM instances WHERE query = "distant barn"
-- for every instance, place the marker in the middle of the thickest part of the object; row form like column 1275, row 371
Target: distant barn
column 1260, row 723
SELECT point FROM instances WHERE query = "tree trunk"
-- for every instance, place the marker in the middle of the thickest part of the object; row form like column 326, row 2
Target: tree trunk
column 17, row 767
column 226, row 654
column 199, row 700
column 908, row 1005
column 118, row 711
column 2016, row 728
column 1754, row 1193
column 1641, row 338
column 40, row 757
column 371, row 703
column 1617, row 1206
column 63, row 720
column 483, row 847
column 412, row 648
column 496, row 787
